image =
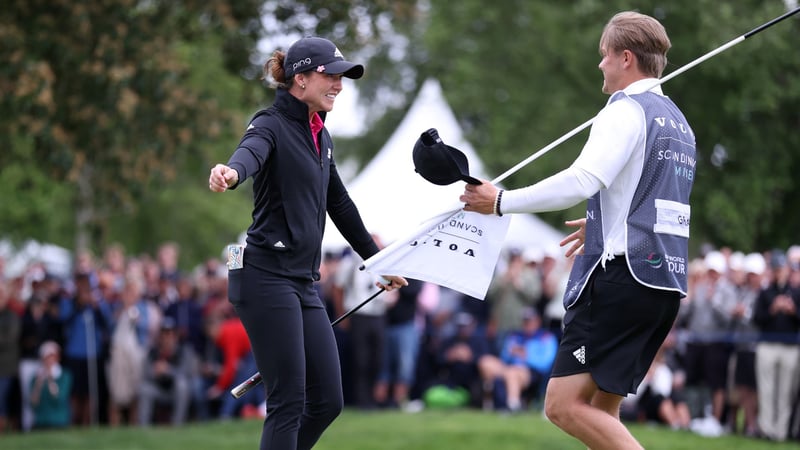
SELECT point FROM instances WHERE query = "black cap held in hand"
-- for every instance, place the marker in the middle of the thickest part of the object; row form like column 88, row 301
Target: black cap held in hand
column 439, row 163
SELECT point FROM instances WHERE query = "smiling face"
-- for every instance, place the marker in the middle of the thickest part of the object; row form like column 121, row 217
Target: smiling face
column 320, row 90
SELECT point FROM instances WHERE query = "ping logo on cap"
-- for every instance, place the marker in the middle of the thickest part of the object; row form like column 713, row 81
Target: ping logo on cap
column 301, row 63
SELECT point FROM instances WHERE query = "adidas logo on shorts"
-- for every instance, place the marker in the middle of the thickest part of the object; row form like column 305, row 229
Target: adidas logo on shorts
column 580, row 354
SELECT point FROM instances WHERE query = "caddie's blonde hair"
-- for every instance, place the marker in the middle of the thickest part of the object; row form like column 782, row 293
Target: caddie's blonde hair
column 643, row 35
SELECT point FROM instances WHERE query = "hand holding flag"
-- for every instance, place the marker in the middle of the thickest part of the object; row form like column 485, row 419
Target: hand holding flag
column 458, row 248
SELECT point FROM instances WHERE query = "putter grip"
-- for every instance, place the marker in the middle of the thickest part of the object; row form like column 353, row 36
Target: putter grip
column 246, row 385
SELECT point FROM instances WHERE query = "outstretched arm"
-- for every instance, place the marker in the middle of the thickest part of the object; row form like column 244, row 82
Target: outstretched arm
column 560, row 191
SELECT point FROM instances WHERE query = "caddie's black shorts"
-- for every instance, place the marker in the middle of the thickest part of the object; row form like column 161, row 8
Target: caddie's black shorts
column 615, row 328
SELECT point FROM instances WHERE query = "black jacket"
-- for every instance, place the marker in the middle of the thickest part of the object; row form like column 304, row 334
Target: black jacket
column 293, row 187
column 780, row 327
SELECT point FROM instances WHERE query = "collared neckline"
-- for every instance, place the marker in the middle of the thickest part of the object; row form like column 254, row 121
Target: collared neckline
column 293, row 107
column 639, row 86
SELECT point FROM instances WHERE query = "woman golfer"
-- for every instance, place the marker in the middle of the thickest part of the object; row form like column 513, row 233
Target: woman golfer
column 289, row 154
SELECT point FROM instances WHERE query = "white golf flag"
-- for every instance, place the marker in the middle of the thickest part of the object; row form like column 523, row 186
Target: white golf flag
column 456, row 249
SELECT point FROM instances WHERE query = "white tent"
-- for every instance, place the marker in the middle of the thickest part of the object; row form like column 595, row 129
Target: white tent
column 56, row 260
column 394, row 200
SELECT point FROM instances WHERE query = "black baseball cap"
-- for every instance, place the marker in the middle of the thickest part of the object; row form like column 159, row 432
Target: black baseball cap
column 320, row 55
column 440, row 163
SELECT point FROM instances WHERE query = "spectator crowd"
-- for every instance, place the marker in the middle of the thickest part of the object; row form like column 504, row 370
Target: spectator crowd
column 134, row 340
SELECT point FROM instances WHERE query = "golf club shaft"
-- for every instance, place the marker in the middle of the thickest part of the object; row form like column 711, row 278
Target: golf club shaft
column 356, row 308
column 255, row 379
column 672, row 75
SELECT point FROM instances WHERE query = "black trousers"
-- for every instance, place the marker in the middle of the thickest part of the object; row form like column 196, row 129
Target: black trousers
column 296, row 354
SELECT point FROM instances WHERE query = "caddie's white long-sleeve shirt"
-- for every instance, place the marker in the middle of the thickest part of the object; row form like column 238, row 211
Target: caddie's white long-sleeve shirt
column 611, row 162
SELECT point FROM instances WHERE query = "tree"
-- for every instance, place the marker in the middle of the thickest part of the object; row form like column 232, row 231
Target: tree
column 96, row 93
column 743, row 105
column 111, row 111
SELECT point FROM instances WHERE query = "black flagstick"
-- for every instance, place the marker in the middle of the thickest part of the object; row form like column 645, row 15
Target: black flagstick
column 770, row 23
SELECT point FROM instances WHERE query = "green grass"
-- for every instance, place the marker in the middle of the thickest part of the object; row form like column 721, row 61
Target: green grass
column 429, row 430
